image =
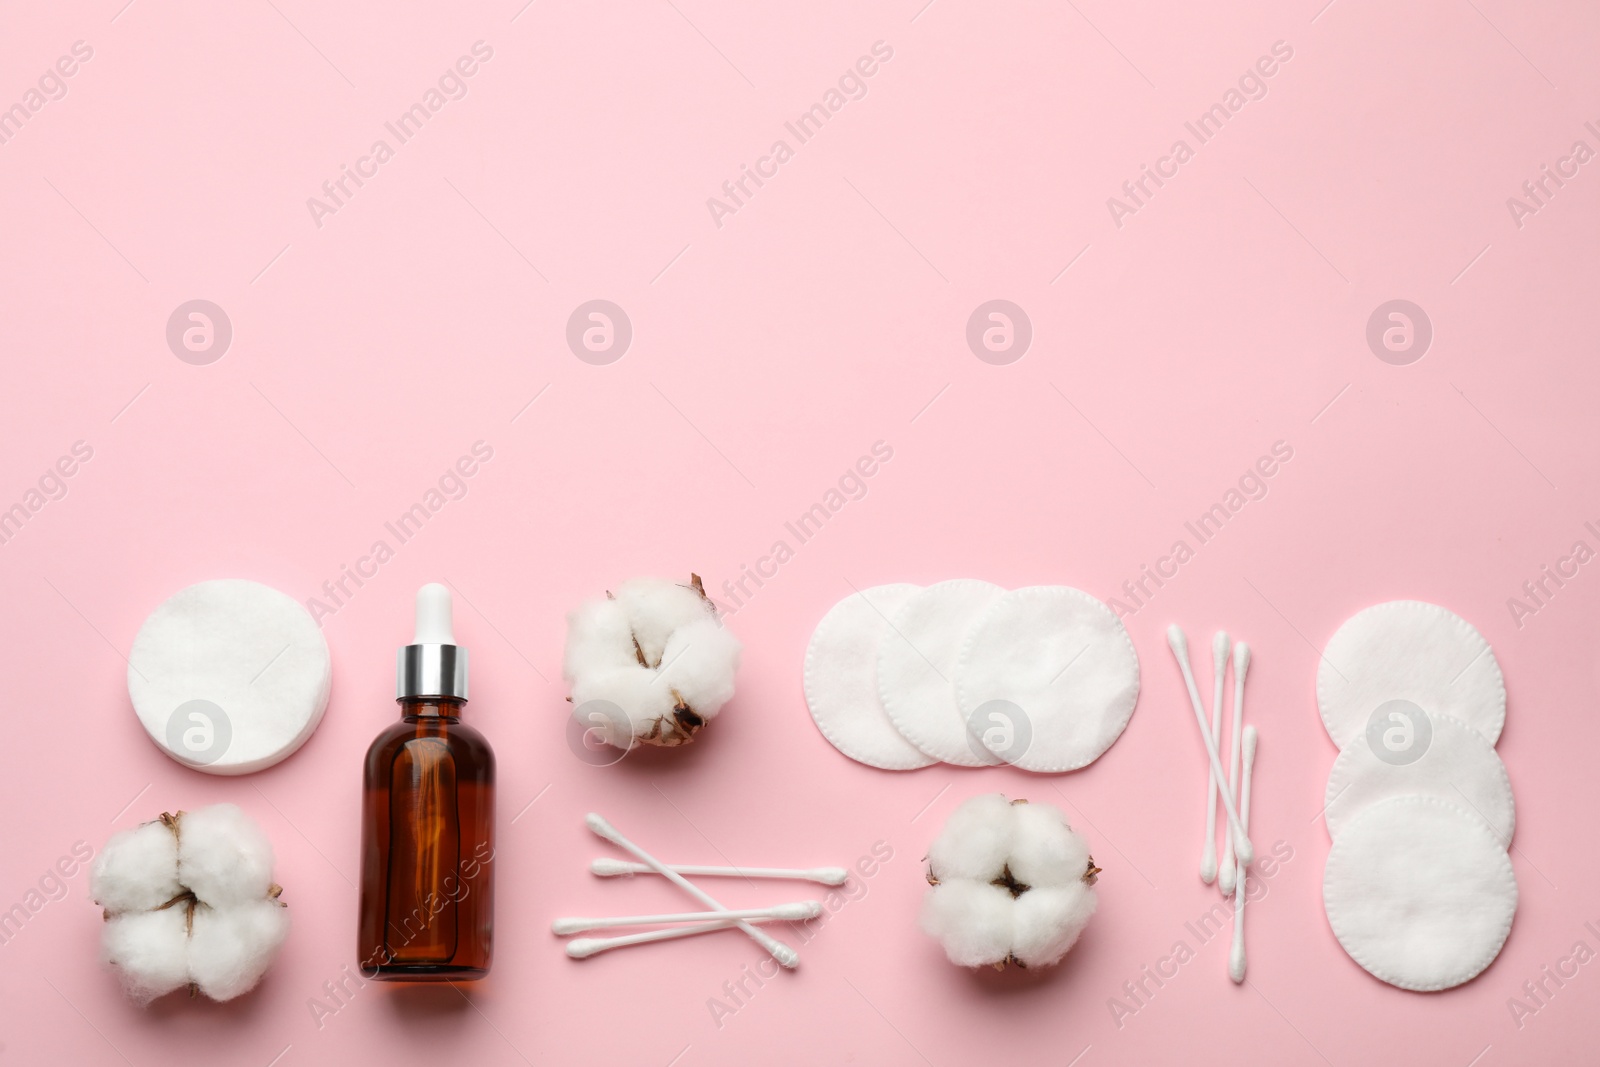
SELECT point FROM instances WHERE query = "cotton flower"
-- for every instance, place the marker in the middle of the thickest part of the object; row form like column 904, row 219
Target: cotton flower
column 656, row 652
column 189, row 900
column 1010, row 882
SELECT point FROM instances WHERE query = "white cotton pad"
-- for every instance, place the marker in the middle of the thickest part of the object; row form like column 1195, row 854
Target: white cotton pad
column 229, row 676
column 1419, row 893
column 841, row 680
column 1422, row 755
column 1047, row 678
column 917, row 664
column 1409, row 650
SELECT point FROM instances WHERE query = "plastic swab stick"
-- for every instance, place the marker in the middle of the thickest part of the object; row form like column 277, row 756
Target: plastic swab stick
column 1219, row 667
column 785, row 955
column 1244, row 851
column 1241, row 664
column 607, row 867
column 583, row 947
column 804, row 909
column 1236, row 953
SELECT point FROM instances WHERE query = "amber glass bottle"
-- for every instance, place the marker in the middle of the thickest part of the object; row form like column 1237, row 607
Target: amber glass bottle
column 427, row 835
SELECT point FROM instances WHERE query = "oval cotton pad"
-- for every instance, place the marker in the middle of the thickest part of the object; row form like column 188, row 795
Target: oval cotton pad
column 917, row 663
column 841, row 680
column 229, row 676
column 1458, row 767
column 1064, row 661
column 1419, row 893
column 1409, row 650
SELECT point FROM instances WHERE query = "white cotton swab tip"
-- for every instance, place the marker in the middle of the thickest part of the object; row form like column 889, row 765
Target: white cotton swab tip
column 1241, row 660
column 607, row 867
column 1178, row 640
column 597, row 824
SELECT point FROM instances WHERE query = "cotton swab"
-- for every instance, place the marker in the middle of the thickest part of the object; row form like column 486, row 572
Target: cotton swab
column 1241, row 664
column 785, row 955
column 1244, row 851
column 1219, row 667
column 1236, row 953
column 804, row 909
column 583, row 947
column 606, row 867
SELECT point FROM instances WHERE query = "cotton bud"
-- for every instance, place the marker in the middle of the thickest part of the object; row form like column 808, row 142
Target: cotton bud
column 653, row 658
column 189, row 901
column 1010, row 882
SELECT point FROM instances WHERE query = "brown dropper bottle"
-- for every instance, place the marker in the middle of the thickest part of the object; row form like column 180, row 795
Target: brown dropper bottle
column 427, row 834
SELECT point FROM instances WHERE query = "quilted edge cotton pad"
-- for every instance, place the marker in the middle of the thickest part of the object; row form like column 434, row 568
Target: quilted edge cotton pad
column 1458, row 767
column 1410, row 650
column 229, row 676
column 1065, row 660
column 841, row 680
column 1419, row 893
column 916, row 666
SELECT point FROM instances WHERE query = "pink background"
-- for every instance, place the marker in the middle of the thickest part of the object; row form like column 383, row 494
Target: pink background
column 826, row 314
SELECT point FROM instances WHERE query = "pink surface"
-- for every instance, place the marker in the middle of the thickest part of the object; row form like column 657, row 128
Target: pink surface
column 374, row 344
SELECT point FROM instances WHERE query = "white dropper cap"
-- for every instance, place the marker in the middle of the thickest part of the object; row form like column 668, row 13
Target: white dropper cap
column 434, row 616
column 433, row 665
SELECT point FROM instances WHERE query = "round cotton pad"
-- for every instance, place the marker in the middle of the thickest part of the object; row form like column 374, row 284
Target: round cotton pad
column 917, row 663
column 841, row 680
column 1047, row 678
column 1440, row 758
column 1409, row 650
column 229, row 676
column 1419, row 893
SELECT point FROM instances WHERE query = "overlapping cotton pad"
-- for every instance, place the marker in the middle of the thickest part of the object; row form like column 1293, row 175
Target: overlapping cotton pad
column 1419, row 893
column 841, row 680
column 917, row 663
column 1047, row 678
column 1409, row 650
column 229, row 676
column 1455, row 764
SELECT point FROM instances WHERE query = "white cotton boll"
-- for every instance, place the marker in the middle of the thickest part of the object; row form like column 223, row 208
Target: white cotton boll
column 137, row 870
column 1045, row 851
column 655, row 607
column 1048, row 921
column 657, row 651
column 223, row 857
column 974, row 921
column 149, row 950
column 599, row 638
column 698, row 664
column 231, row 948
column 975, row 841
column 636, row 691
column 1024, row 855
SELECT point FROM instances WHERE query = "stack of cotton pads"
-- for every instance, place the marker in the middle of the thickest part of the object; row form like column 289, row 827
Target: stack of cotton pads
column 1418, row 887
column 964, row 672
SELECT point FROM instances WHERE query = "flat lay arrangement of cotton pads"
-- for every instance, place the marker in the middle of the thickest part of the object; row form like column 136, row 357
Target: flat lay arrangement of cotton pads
column 841, row 680
column 963, row 672
column 1418, row 888
column 229, row 676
